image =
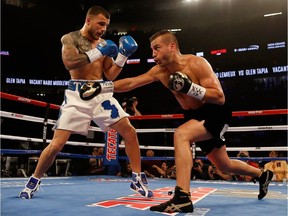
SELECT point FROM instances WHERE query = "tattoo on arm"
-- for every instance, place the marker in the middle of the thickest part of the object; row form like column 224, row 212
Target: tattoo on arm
column 73, row 50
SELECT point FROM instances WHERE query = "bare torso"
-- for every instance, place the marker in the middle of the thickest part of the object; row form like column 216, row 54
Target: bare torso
column 196, row 68
column 92, row 71
column 187, row 65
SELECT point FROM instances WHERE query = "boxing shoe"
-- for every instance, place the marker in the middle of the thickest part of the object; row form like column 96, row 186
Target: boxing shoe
column 264, row 181
column 139, row 184
column 180, row 202
column 30, row 188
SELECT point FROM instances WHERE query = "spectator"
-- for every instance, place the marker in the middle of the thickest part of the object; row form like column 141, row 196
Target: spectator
column 200, row 170
column 126, row 170
column 216, row 174
column 245, row 154
column 171, row 172
column 163, row 170
column 130, row 106
column 147, row 165
column 96, row 164
column 114, row 170
column 278, row 167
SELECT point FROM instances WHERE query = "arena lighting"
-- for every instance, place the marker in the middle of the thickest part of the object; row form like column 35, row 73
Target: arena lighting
column 218, row 52
column 133, row 61
column 188, row 1
column 150, row 60
column 200, row 54
column 276, row 45
column 272, row 14
column 175, row 30
column 121, row 33
column 249, row 48
column 4, row 52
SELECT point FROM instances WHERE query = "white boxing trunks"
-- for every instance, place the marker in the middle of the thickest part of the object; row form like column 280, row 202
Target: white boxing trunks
column 76, row 114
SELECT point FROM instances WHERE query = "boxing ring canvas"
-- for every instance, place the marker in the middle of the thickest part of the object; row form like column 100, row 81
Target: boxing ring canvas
column 110, row 195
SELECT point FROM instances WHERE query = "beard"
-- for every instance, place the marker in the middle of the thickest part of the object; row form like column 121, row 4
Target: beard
column 163, row 61
column 94, row 35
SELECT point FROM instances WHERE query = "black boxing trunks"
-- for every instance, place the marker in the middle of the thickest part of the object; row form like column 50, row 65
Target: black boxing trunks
column 217, row 119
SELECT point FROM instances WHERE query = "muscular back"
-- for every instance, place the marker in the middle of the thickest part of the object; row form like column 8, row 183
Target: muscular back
column 74, row 46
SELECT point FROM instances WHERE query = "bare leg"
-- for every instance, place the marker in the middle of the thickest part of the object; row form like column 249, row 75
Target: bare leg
column 221, row 160
column 183, row 161
column 191, row 131
column 48, row 155
column 128, row 132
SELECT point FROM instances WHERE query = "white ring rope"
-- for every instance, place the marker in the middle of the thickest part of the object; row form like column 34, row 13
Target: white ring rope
column 160, row 130
column 30, row 139
column 275, row 148
column 154, row 130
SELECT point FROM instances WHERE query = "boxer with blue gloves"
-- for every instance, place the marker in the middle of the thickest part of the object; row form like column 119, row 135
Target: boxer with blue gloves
column 127, row 46
column 104, row 48
column 88, row 58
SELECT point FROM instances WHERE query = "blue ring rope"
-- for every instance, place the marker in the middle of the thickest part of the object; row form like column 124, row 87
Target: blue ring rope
column 73, row 155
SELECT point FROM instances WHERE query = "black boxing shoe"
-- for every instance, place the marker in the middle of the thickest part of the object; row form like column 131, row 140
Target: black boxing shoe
column 180, row 202
column 264, row 181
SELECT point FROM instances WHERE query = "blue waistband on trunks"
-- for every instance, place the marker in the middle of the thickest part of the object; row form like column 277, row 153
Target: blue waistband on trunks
column 75, row 85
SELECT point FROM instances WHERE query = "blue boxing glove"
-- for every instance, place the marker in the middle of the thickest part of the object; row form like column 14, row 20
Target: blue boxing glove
column 127, row 46
column 104, row 48
column 182, row 83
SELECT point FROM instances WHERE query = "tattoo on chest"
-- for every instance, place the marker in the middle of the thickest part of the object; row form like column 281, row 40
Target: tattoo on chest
column 82, row 43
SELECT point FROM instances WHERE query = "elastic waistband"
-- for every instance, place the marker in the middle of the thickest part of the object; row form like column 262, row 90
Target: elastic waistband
column 75, row 85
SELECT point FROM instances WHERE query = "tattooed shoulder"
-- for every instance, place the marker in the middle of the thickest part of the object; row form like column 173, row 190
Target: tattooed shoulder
column 75, row 39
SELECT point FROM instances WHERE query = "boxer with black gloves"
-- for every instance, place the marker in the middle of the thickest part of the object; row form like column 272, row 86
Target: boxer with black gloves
column 195, row 86
column 180, row 82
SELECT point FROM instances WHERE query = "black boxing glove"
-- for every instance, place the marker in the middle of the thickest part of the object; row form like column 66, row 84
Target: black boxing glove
column 182, row 83
column 90, row 90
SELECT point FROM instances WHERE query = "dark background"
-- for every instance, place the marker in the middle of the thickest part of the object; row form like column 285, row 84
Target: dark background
column 31, row 32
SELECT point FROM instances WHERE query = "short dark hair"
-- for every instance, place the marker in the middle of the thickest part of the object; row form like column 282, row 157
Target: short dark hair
column 95, row 10
column 168, row 37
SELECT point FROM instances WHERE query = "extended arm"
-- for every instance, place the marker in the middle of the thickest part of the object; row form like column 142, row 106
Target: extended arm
column 128, row 84
column 90, row 90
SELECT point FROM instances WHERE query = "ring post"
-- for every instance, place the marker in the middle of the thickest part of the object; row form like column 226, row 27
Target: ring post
column 111, row 148
column 45, row 123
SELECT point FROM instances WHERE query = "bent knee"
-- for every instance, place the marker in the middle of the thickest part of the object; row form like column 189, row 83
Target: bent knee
column 56, row 146
column 178, row 133
column 129, row 132
column 181, row 135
